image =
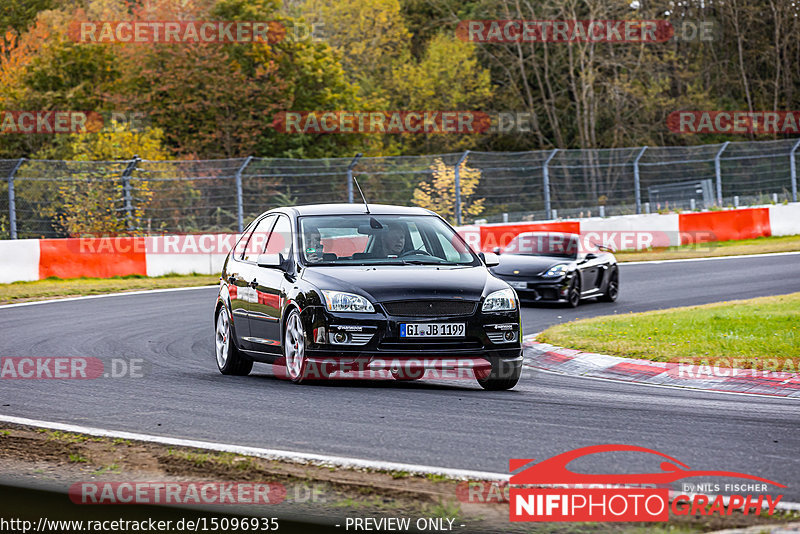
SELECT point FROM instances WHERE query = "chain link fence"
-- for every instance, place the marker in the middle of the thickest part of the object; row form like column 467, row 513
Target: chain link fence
column 41, row 198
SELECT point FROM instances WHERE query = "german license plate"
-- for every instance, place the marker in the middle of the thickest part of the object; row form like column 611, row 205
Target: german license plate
column 432, row 330
column 519, row 285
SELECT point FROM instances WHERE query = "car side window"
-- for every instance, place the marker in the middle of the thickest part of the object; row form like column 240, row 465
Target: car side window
column 258, row 239
column 280, row 240
column 241, row 243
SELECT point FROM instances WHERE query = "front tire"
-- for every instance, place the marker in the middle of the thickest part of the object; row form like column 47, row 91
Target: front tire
column 612, row 289
column 294, row 348
column 229, row 360
column 502, row 376
column 574, row 294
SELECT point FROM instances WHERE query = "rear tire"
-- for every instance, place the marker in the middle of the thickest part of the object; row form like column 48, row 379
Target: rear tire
column 612, row 289
column 501, row 377
column 230, row 361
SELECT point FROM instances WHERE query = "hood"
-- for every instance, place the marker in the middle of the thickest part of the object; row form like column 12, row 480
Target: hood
column 406, row 282
column 527, row 265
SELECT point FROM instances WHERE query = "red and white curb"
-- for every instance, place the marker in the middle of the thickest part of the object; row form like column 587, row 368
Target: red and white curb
column 585, row 364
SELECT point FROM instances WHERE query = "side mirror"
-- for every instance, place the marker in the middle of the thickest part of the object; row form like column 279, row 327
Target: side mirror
column 490, row 259
column 590, row 256
column 270, row 260
column 496, row 250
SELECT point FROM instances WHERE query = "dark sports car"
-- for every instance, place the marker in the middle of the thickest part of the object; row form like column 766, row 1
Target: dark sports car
column 550, row 266
column 330, row 290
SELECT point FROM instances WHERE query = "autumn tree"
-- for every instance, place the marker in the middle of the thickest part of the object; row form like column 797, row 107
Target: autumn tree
column 439, row 194
column 89, row 199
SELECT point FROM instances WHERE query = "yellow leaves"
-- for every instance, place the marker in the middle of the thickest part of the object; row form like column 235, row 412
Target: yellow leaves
column 440, row 194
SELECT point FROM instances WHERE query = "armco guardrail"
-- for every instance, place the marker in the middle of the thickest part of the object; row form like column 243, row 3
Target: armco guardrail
column 32, row 259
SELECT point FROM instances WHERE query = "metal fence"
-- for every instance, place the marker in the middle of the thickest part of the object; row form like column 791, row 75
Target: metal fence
column 45, row 198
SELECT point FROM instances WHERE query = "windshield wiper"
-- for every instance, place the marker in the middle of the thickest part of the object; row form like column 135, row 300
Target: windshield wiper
column 420, row 262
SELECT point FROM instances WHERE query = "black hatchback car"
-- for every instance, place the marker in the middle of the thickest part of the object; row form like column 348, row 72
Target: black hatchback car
column 342, row 290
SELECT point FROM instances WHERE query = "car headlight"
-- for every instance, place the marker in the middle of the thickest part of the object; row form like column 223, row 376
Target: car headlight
column 503, row 300
column 346, row 302
column 555, row 271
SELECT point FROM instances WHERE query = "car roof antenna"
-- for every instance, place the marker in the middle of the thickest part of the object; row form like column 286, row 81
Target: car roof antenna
column 362, row 193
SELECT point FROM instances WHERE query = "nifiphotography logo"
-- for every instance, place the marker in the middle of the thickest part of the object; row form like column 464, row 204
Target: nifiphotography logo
column 563, row 495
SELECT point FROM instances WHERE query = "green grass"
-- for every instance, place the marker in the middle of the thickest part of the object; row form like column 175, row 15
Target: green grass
column 760, row 333
column 760, row 245
column 52, row 288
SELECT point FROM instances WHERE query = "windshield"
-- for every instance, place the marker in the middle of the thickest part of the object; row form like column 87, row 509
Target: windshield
column 544, row 244
column 381, row 240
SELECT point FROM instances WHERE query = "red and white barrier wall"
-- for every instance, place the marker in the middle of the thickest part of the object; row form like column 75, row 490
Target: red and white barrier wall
column 36, row 259
column 633, row 232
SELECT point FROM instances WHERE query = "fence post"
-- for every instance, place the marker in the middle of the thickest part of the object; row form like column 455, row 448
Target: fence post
column 239, row 201
column 458, row 186
column 546, row 183
column 718, row 172
column 126, row 190
column 637, row 187
column 793, row 170
column 350, row 177
column 12, row 200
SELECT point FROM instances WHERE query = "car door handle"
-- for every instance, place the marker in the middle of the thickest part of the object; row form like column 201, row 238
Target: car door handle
column 254, row 283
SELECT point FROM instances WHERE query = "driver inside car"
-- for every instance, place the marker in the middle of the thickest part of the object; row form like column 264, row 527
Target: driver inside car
column 314, row 252
column 393, row 241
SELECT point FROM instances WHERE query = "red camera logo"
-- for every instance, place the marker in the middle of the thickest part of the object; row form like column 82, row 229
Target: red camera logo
column 616, row 497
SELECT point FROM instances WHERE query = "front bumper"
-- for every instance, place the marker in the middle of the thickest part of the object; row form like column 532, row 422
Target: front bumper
column 538, row 290
column 373, row 338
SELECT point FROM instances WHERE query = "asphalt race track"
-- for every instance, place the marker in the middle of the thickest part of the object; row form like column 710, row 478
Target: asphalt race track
column 429, row 423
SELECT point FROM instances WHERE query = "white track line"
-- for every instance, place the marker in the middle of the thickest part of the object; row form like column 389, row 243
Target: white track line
column 766, row 254
column 104, row 295
column 272, row 454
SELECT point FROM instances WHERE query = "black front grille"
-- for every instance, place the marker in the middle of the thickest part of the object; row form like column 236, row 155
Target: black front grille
column 429, row 308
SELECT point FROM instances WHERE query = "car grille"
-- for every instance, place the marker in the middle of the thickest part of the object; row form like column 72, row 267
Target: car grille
column 430, row 308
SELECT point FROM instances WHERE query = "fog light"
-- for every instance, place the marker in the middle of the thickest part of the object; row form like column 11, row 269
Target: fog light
column 510, row 336
column 340, row 337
